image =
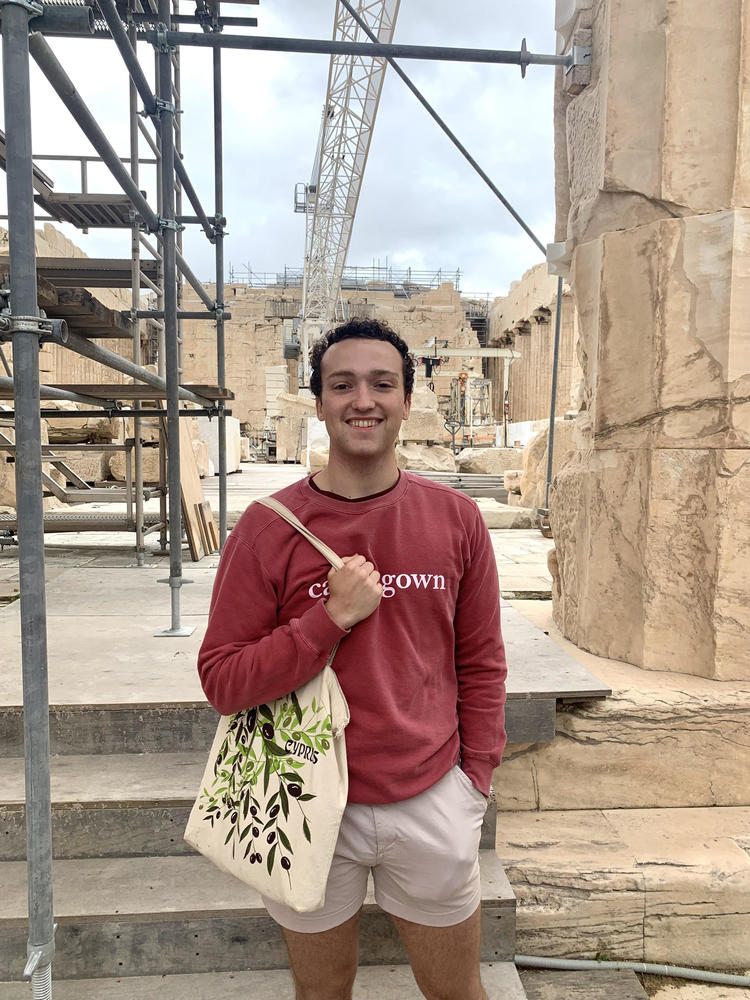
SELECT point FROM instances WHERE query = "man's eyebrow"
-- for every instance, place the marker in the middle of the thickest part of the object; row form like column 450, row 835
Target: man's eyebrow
column 374, row 373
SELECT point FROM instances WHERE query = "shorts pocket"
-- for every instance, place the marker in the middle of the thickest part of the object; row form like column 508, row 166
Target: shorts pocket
column 469, row 785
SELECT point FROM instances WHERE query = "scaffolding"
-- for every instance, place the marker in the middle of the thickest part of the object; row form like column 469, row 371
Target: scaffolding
column 25, row 25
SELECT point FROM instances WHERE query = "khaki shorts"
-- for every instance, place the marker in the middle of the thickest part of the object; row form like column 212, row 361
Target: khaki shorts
column 423, row 854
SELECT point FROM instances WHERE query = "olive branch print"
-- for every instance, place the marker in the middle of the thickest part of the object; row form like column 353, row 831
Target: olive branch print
column 253, row 753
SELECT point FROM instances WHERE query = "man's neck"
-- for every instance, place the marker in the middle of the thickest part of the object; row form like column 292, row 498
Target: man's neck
column 354, row 482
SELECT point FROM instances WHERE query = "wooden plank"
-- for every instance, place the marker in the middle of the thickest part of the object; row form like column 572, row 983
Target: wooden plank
column 83, row 311
column 87, row 272
column 191, row 492
column 209, row 527
column 203, row 525
column 599, row 984
column 46, row 294
column 539, row 668
column 213, row 533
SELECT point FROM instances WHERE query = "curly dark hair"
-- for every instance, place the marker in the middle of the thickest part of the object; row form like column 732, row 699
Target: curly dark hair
column 366, row 329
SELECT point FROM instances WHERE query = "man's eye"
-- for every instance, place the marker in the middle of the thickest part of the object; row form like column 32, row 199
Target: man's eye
column 341, row 386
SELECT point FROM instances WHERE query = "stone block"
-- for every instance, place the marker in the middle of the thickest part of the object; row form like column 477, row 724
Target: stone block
column 425, row 458
column 91, row 466
column 7, row 481
column 512, row 480
column 244, row 449
column 691, row 736
column 150, row 466
column 533, row 480
column 578, row 895
column 74, row 430
column 209, row 432
column 289, row 436
column 318, row 459
column 694, row 350
column 645, row 140
column 488, row 461
column 653, row 553
column 502, row 515
column 696, row 875
column 202, row 458
column 423, row 425
column 571, row 901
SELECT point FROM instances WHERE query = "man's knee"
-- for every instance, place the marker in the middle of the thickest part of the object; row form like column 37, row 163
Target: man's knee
column 324, row 964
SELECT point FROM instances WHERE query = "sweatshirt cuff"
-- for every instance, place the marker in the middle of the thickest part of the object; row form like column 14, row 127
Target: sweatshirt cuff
column 319, row 630
column 479, row 771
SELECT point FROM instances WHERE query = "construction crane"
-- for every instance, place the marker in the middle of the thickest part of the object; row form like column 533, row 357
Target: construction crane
column 329, row 201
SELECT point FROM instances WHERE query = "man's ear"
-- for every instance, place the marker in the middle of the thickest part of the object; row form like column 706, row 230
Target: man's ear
column 318, row 407
column 407, row 406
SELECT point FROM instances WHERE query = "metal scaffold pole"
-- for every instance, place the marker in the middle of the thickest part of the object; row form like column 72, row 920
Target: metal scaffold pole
column 168, row 227
column 17, row 100
column 135, row 252
column 553, row 394
column 220, row 343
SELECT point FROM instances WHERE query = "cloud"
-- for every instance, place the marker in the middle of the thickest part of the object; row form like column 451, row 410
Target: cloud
column 420, row 201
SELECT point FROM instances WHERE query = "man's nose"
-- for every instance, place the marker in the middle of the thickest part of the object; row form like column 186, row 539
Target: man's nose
column 363, row 397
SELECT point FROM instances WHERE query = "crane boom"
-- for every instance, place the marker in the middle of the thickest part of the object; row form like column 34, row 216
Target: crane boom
column 352, row 97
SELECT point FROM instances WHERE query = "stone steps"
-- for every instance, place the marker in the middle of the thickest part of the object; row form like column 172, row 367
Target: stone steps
column 659, row 740
column 118, row 805
column 162, row 916
column 604, row 984
column 384, row 982
column 669, row 886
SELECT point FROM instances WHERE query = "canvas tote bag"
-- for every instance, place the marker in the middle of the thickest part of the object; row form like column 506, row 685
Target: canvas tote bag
column 276, row 782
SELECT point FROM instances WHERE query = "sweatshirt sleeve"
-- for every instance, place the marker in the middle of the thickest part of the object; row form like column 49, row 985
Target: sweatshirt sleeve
column 246, row 657
column 480, row 663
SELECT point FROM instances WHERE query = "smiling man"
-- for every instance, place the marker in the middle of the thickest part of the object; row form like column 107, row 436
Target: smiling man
column 417, row 614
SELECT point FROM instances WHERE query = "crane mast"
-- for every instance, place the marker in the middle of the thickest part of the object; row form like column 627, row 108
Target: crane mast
column 330, row 200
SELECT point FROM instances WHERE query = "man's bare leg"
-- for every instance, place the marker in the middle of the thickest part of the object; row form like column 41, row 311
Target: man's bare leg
column 324, row 965
column 445, row 960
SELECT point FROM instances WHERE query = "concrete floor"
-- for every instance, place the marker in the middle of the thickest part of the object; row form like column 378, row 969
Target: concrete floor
column 98, row 600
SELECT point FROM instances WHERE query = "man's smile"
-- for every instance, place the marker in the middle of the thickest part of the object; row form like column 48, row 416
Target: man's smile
column 364, row 422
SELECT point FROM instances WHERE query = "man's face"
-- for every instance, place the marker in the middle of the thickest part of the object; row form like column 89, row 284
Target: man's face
column 362, row 400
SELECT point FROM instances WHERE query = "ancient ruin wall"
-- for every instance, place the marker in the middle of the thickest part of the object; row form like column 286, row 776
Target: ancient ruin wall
column 524, row 320
column 652, row 515
column 254, row 335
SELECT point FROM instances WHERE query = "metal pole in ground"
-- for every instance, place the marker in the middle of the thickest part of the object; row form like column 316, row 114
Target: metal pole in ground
column 17, row 100
column 135, row 257
column 220, row 342
column 168, row 228
column 553, row 395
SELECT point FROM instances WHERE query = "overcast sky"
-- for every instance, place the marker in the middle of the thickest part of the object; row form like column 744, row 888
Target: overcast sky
column 421, row 204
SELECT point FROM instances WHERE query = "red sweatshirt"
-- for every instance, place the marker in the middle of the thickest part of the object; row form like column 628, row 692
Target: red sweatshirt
column 424, row 675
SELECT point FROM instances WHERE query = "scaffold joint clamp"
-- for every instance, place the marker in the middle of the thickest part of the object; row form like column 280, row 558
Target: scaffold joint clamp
column 161, row 106
column 39, row 955
column 31, row 6
column 161, row 44
column 170, row 224
column 10, row 324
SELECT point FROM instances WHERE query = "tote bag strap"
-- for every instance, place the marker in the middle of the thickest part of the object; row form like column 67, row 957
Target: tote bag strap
column 324, row 549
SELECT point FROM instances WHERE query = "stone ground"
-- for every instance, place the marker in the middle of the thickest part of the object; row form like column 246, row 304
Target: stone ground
column 664, row 988
column 521, row 553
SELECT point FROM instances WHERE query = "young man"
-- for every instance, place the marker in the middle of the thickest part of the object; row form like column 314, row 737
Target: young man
column 416, row 612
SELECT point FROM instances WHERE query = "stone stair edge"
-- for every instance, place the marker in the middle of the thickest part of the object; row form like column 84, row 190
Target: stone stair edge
column 374, row 982
column 660, row 885
column 170, row 879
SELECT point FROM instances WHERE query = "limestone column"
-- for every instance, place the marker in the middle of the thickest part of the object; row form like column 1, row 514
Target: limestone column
column 652, row 516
